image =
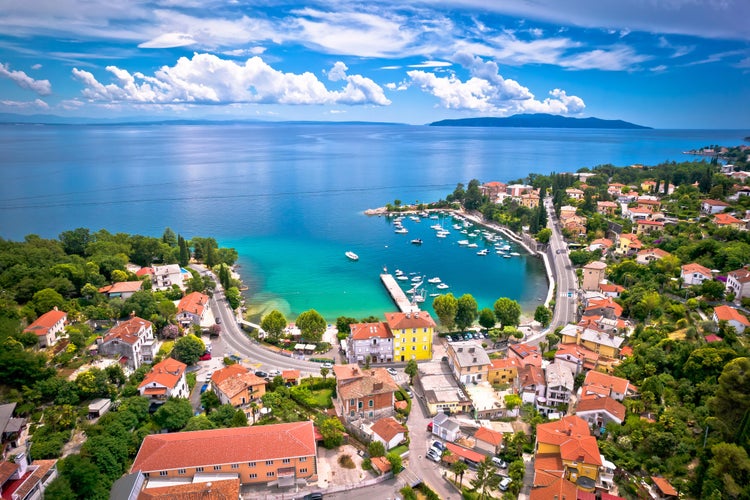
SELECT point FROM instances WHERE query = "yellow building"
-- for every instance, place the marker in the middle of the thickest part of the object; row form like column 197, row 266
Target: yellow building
column 570, row 439
column 530, row 200
column 412, row 335
column 503, row 371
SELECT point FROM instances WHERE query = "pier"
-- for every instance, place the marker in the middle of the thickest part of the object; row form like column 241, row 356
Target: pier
column 398, row 295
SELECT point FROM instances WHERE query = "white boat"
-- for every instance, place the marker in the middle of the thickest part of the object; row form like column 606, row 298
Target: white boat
column 436, row 227
column 401, row 230
column 416, row 278
column 434, row 295
column 398, row 272
column 463, row 242
column 506, row 256
column 418, row 298
column 352, row 255
column 434, row 280
column 441, row 234
column 415, row 218
column 457, row 227
column 516, row 254
column 473, row 245
column 442, row 286
column 402, row 278
column 483, row 251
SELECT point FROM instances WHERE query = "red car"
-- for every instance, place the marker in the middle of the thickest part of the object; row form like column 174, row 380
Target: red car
column 429, row 427
column 205, row 357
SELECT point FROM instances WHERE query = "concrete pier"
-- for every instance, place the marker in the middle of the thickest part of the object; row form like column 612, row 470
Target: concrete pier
column 398, row 295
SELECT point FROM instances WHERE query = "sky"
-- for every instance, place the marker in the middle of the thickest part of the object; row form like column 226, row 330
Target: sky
column 660, row 63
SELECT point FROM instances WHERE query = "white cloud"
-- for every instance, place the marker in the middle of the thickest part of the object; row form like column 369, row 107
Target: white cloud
column 252, row 51
column 168, row 40
column 36, row 66
column 616, row 58
column 338, row 72
column 431, row 64
column 208, row 79
column 35, row 104
column 488, row 92
column 41, row 87
column 659, row 68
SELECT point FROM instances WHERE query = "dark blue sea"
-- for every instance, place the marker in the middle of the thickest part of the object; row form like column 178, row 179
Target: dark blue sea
column 291, row 197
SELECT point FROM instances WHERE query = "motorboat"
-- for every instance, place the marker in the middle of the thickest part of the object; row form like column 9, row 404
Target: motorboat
column 398, row 272
column 442, row 286
column 506, row 256
column 415, row 279
column 401, row 230
column 483, row 251
column 417, row 241
column 463, row 242
column 436, row 227
column 473, row 245
column 434, row 295
column 402, row 278
column 442, row 234
column 352, row 255
column 516, row 254
column 434, row 280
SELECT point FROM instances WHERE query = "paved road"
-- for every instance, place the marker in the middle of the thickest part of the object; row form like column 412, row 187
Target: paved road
column 565, row 275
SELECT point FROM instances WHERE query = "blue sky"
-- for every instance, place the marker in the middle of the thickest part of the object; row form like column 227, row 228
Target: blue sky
column 661, row 63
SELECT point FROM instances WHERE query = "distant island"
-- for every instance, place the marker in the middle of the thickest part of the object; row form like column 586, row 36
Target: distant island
column 539, row 120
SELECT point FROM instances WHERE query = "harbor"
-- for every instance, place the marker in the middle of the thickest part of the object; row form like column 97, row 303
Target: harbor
column 397, row 294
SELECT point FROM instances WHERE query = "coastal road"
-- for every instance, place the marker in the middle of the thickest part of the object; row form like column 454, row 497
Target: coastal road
column 566, row 295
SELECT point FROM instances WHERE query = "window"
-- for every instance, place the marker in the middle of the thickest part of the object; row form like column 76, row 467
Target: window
column 253, row 476
column 251, row 464
column 181, row 471
column 303, row 459
column 270, row 474
column 413, row 348
column 217, row 467
column 285, row 461
column 371, row 403
column 199, row 469
column 162, row 473
column 413, row 339
column 351, row 402
column 235, row 466
column 303, row 470
column 269, row 462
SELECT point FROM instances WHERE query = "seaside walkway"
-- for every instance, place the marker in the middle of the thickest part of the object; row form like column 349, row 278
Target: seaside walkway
column 398, row 295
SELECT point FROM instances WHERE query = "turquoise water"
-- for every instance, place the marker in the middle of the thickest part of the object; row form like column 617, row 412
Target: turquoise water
column 291, row 197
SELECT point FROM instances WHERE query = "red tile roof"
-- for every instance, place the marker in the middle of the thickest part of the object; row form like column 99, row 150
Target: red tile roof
column 127, row 331
column 373, row 381
column 381, row 464
column 549, row 462
column 403, row 321
column 230, row 371
column 166, row 373
column 726, row 219
column 713, row 338
column 609, row 382
column 193, row 303
column 581, row 449
column 36, row 476
column 490, row 436
column 218, row 487
column 238, row 383
column 715, row 203
column 46, row 321
column 290, row 374
column 179, row 450
column 556, row 488
column 530, row 375
column 696, row 268
column 122, row 287
column 366, row 331
column 145, row 271
column 388, row 428
column 607, row 404
column 610, row 288
column 504, row 363
column 740, row 275
column 465, row 452
column 664, row 486
column 726, row 313
column 559, row 431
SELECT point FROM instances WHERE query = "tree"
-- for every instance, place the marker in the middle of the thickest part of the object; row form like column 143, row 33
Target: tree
column 411, row 369
column 487, row 318
column 458, row 468
column 512, row 401
column 60, row 489
column 189, row 349
column 376, row 449
column 273, row 324
column 85, row 475
column 446, row 307
column 732, row 397
column 332, row 431
column 142, row 303
column 544, row 235
column 233, row 297
column 184, row 251
column 199, row 423
column 324, row 372
column 486, row 479
column 543, row 315
column 174, row 414
column 712, row 290
column 343, row 324
column 210, row 401
column 466, row 312
column 507, row 311
column 170, row 331
column 312, row 325
column 74, row 242
column 169, row 237
column 395, row 460
column 46, row 300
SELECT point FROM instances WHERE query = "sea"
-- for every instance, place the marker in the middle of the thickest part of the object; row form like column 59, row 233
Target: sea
column 291, row 197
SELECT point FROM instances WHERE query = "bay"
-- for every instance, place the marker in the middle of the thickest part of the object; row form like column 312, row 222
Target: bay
column 290, row 197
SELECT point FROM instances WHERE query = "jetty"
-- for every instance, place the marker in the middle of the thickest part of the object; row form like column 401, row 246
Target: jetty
column 397, row 294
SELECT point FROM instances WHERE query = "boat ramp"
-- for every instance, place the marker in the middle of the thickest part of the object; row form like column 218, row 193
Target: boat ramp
column 397, row 294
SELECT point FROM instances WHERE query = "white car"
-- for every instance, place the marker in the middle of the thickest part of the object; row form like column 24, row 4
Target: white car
column 327, row 365
column 504, row 484
column 392, row 371
column 433, row 455
column 273, row 373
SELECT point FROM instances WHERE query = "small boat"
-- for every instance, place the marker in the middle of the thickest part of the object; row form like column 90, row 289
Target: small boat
column 436, row 227
column 506, row 256
column 463, row 242
column 457, row 227
column 483, row 251
column 417, row 241
column 352, row 255
column 398, row 272
column 441, row 234
column 401, row 230
column 442, row 286
column 434, row 280
column 402, row 278
column 473, row 245
column 515, row 254
column 418, row 298
column 414, row 218
column 416, row 278
column 434, row 295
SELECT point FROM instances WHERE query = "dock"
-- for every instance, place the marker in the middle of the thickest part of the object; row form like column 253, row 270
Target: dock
column 398, row 295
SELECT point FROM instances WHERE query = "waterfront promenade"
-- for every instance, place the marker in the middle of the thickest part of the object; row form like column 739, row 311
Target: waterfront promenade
column 397, row 294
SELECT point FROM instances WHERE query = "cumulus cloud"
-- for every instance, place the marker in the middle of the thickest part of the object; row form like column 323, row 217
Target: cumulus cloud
column 208, row 79
column 36, row 66
column 35, row 104
column 168, row 40
column 486, row 91
column 41, row 87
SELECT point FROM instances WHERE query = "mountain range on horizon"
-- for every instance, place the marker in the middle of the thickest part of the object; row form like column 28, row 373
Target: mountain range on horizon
column 537, row 120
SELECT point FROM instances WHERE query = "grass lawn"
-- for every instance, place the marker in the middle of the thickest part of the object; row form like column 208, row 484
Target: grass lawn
column 323, row 398
column 401, row 449
column 166, row 348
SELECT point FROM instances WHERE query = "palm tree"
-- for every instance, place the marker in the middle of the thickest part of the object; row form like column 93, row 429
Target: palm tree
column 458, row 468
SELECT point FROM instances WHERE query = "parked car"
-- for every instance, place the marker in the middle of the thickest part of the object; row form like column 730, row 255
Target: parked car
column 408, row 393
column 429, row 426
column 274, row 373
column 438, row 445
column 327, row 365
column 205, row 356
column 218, row 320
column 468, row 336
column 203, row 388
column 433, row 455
column 392, row 371
column 499, row 462
column 313, row 496
column 261, row 374
column 504, row 484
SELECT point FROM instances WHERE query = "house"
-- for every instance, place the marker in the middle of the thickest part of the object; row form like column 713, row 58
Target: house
column 99, row 407
column 445, row 428
column 559, row 381
column 570, row 441
column 694, row 274
column 593, row 274
column 607, row 208
column 712, row 207
column 738, row 283
column 644, row 257
column 551, row 486
column 370, row 340
column 606, row 307
column 732, row 316
column 389, row 432
column 615, row 188
column 48, row 327
column 165, row 277
column 610, row 289
column 290, row 377
column 638, row 214
column 20, row 480
column 277, row 454
column 122, row 289
column 531, row 384
column 530, row 200
column 648, row 227
column 662, row 490
column 442, row 393
column 364, row 393
column 627, row 243
column 516, row 190
column 493, row 189
column 728, row 220
column 602, row 244
column 10, row 426
column 412, row 335
column 575, row 194
column 470, row 457
column 567, row 211
column 132, row 340
column 599, row 412
column 503, row 370
column 575, row 224
column 469, row 361
column 576, row 357
column 527, row 354
column 192, row 309
column 603, row 343
column 650, row 202
column 237, row 386
column 488, row 441
column 597, row 384
column 165, row 380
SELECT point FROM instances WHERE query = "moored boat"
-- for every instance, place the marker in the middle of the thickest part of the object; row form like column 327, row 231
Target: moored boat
column 352, row 256
column 416, row 241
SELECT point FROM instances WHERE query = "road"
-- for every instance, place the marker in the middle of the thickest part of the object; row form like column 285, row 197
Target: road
column 565, row 275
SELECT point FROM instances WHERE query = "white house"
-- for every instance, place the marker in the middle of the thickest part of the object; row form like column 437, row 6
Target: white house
column 445, row 428
column 370, row 339
column 711, row 207
column 166, row 276
column 559, row 387
column 48, row 327
column 389, row 432
column 165, row 380
column 133, row 340
column 694, row 274
column 738, row 282
column 193, row 309
column 732, row 316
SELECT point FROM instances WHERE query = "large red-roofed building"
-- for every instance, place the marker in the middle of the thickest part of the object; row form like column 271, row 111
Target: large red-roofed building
column 48, row 326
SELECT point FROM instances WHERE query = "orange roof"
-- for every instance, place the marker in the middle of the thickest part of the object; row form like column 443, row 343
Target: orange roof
column 556, row 488
column 696, row 268
column 740, row 275
column 373, row 381
column 633, row 240
column 178, row 450
column 582, row 449
column 490, row 436
column 166, row 373
column 227, row 372
column 523, row 350
column 33, row 480
column 505, row 363
column 381, row 463
column 726, row 313
column 127, row 331
column 465, row 452
column 234, row 385
column 145, row 271
column 657, row 252
column 610, row 288
column 614, row 408
column 616, row 384
column 530, row 375
column 549, row 462
column 664, row 486
column 387, row 428
column 122, row 287
column 559, row 431
column 193, row 303
column 606, row 303
column 650, row 223
column 648, row 201
column 290, row 374
column 605, row 242
column 218, row 487
column 345, row 372
column 46, row 321
column 626, row 351
column 366, row 331
column 403, row 321
column 715, row 203
column 726, row 219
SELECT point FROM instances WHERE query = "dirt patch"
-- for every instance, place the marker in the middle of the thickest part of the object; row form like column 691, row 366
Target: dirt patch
column 346, row 461
column 75, row 443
